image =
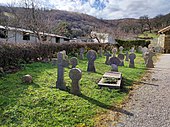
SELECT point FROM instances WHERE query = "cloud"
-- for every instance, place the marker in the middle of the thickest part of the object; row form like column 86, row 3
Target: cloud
column 109, row 9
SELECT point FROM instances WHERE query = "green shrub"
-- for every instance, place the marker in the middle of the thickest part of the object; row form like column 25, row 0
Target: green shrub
column 14, row 54
column 133, row 43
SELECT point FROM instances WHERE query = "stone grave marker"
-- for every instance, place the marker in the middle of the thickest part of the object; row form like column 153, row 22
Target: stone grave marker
column 111, row 80
column 54, row 61
column 144, row 49
column 75, row 75
column 114, row 67
column 146, row 56
column 82, row 50
column 61, row 63
column 77, row 55
column 91, row 56
column 121, row 57
column 114, row 51
column 149, row 62
column 114, row 60
column 150, row 46
column 107, row 54
column 121, row 49
column 132, row 50
column 157, row 49
column 100, row 52
column 139, row 49
column 127, row 56
column 132, row 57
column 74, row 62
column 1, row 70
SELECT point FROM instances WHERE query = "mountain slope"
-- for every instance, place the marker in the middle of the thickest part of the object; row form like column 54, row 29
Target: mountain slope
column 82, row 24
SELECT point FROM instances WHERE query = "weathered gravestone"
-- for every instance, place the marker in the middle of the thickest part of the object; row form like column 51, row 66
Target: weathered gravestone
column 127, row 56
column 77, row 55
column 111, row 80
column 75, row 75
column 54, row 61
column 146, row 56
column 91, row 56
column 74, row 62
column 114, row 51
column 121, row 57
column 114, row 60
column 82, row 50
column 132, row 49
column 139, row 49
column 114, row 67
column 121, row 49
column 144, row 49
column 149, row 62
column 158, row 49
column 100, row 52
column 2, row 71
column 132, row 57
column 150, row 47
column 61, row 63
column 107, row 54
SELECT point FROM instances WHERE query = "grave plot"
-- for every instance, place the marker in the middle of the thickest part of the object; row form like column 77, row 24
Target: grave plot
column 111, row 80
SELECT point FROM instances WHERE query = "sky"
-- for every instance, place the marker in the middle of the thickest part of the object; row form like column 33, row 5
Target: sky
column 106, row 9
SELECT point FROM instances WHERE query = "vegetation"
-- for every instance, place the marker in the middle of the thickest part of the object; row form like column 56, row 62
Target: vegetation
column 17, row 54
column 148, row 35
column 133, row 43
column 41, row 104
column 75, row 24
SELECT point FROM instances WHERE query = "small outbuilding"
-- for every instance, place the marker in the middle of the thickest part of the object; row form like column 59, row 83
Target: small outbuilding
column 18, row 35
column 164, row 39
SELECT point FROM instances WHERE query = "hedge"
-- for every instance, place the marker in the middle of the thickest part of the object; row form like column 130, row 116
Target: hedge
column 133, row 43
column 13, row 54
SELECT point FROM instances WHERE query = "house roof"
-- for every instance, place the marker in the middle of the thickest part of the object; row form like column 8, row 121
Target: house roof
column 164, row 29
column 31, row 32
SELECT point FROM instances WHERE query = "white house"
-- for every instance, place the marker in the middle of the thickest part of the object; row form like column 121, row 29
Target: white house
column 17, row 35
column 103, row 37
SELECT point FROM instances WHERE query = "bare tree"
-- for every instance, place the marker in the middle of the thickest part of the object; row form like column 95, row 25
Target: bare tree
column 145, row 21
column 30, row 15
column 35, row 18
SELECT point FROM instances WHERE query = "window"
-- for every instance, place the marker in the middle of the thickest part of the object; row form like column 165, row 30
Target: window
column 26, row 36
column 3, row 33
column 57, row 40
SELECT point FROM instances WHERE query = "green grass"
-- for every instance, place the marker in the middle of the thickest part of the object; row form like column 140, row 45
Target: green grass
column 38, row 104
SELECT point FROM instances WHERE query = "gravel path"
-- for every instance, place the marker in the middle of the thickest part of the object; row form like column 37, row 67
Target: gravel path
column 149, row 106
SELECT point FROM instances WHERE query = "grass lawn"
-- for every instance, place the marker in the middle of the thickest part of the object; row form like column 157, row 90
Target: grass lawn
column 39, row 104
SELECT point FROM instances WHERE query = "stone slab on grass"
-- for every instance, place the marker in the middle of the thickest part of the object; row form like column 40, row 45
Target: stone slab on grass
column 117, row 76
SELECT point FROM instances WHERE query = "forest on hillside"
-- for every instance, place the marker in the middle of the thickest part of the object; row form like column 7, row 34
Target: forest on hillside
column 73, row 24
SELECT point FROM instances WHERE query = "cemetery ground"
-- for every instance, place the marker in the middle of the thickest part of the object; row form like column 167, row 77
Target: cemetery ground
column 41, row 104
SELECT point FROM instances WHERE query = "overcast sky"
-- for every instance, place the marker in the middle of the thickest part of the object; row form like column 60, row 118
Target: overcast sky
column 108, row 9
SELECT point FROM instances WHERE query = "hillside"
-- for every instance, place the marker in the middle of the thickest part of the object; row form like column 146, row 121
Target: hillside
column 74, row 24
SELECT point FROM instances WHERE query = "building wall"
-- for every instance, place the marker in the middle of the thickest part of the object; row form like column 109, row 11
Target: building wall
column 161, row 40
column 164, row 40
column 17, row 37
column 167, row 43
column 53, row 39
column 61, row 40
